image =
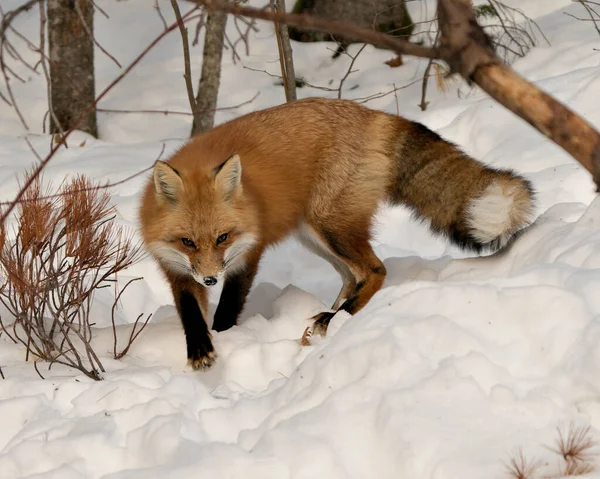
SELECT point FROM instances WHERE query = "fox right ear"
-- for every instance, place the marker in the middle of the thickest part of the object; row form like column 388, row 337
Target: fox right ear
column 167, row 181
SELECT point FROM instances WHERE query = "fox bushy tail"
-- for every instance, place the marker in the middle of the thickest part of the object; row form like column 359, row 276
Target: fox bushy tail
column 477, row 207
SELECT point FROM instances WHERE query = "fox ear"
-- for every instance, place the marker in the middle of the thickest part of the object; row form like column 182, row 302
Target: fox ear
column 167, row 181
column 228, row 175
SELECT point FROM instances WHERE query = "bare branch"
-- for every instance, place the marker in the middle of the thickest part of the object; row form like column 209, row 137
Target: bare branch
column 349, row 71
column 133, row 335
column 10, row 16
column 591, row 12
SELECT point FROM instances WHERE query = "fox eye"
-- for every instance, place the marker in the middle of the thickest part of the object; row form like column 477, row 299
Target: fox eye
column 222, row 238
column 188, row 242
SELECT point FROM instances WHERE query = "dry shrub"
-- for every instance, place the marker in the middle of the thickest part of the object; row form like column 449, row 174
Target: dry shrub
column 66, row 247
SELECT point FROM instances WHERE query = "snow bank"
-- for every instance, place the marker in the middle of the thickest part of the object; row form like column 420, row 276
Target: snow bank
column 454, row 364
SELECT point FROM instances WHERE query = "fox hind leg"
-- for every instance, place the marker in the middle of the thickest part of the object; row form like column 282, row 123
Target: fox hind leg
column 354, row 251
column 317, row 245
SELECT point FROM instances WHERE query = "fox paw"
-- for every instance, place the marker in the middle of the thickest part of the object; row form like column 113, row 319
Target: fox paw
column 319, row 327
column 202, row 359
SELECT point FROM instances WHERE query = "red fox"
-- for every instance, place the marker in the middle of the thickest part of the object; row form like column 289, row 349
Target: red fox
column 317, row 168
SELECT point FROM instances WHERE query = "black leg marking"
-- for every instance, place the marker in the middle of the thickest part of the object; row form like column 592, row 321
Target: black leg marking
column 322, row 320
column 200, row 351
column 321, row 323
column 350, row 304
column 233, row 298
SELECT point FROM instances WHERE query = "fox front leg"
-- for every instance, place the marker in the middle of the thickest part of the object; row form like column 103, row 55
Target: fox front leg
column 200, row 350
column 235, row 291
column 191, row 303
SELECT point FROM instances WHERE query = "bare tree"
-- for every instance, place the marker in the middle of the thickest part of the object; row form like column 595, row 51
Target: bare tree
column 210, row 78
column 286, row 58
column 71, row 59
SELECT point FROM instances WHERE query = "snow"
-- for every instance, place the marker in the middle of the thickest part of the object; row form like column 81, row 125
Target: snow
column 452, row 366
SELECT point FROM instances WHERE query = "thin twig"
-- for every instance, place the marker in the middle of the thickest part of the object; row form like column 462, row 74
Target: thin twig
column 112, row 318
column 10, row 16
column 175, row 112
column 33, row 150
column 86, row 27
column 97, row 7
column 91, row 188
column 349, row 71
column 159, row 11
column 199, row 26
column 591, row 13
column 376, row 96
column 35, row 366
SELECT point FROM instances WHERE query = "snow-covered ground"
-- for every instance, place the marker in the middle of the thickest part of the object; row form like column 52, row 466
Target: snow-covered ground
column 452, row 366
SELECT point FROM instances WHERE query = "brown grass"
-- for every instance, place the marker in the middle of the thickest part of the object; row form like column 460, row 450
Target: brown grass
column 575, row 449
column 520, row 468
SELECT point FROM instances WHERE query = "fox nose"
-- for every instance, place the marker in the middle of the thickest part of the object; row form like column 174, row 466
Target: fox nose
column 210, row 280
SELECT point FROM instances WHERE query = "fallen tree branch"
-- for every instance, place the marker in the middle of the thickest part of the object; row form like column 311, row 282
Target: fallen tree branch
column 553, row 119
column 467, row 50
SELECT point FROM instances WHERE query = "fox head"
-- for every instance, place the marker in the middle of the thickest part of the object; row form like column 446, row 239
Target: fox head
column 202, row 223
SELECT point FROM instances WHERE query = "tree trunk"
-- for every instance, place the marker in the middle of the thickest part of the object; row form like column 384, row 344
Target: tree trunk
column 71, row 55
column 210, row 78
column 286, row 56
column 386, row 16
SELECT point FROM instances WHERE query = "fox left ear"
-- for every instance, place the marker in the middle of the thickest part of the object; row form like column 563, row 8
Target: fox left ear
column 167, row 181
column 228, row 175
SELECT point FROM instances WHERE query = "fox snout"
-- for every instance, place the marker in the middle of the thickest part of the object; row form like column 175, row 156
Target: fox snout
column 206, row 278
